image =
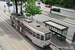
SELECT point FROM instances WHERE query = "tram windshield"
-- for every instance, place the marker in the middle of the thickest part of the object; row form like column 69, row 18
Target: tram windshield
column 47, row 36
column 42, row 37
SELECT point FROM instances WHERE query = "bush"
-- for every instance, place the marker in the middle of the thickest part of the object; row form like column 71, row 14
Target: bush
column 68, row 5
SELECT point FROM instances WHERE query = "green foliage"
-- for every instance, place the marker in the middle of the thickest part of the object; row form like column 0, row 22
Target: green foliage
column 51, row 1
column 60, row 15
column 19, row 0
column 63, row 16
column 67, row 3
column 44, row 1
column 63, row 3
column 31, row 9
column 16, row 2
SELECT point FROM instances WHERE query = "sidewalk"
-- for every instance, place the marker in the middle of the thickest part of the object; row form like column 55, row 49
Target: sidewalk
column 64, row 45
column 3, row 43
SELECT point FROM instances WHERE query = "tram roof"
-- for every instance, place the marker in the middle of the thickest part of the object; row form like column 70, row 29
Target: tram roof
column 34, row 25
column 54, row 24
column 37, row 26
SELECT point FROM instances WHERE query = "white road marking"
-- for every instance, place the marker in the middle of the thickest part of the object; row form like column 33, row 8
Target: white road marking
column 25, row 45
column 5, row 39
column 5, row 19
column 9, row 38
column 5, row 14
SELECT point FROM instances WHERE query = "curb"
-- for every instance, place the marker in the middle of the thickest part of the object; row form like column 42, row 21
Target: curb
column 55, row 47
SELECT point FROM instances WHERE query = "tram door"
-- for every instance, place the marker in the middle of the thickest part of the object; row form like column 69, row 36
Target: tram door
column 23, row 30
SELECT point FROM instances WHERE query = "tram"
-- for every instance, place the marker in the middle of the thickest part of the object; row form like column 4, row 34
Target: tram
column 38, row 34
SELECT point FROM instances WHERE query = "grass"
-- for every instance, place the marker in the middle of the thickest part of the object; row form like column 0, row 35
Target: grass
column 61, row 15
column 46, row 11
column 58, row 5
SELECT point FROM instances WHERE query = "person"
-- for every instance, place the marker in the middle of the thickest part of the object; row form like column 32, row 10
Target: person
column 4, row 8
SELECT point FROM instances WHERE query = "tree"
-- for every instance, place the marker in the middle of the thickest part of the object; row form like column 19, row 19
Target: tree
column 22, row 1
column 31, row 9
column 15, row 5
column 67, row 3
column 51, row 2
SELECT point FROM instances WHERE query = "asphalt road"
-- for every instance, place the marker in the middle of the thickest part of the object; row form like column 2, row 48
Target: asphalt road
column 63, row 12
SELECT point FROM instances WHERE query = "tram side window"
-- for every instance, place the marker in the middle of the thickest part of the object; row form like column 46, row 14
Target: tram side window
column 30, row 31
column 38, row 36
column 25, row 28
column 13, row 19
column 18, row 22
column 22, row 25
column 34, row 34
column 42, row 37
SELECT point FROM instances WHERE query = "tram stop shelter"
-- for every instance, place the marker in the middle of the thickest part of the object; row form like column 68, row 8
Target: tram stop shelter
column 58, row 30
